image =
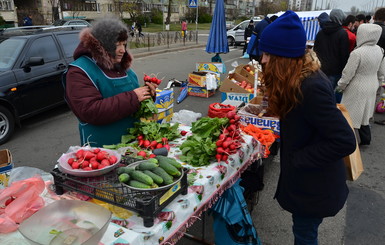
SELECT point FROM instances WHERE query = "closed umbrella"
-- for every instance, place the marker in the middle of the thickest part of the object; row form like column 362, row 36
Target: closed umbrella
column 217, row 41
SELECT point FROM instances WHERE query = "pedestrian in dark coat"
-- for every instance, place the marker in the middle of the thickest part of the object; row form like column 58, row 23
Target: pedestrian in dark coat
column 252, row 47
column 315, row 136
column 332, row 47
column 248, row 31
column 101, row 88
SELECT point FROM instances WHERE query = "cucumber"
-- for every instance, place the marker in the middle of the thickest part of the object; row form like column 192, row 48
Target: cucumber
column 167, row 179
column 126, row 170
column 124, row 178
column 147, row 165
column 142, row 177
column 138, row 184
column 157, row 179
column 154, row 160
column 170, row 169
column 170, row 160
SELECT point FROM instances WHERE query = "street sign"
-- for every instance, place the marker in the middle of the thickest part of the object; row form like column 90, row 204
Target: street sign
column 192, row 3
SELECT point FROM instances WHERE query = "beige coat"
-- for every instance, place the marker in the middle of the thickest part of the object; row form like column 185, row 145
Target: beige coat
column 362, row 75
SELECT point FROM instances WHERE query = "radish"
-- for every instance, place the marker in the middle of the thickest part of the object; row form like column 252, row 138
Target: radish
column 112, row 159
column 219, row 143
column 224, row 157
column 167, row 147
column 101, row 155
column 231, row 114
column 183, row 132
column 164, row 141
column 226, row 144
column 220, row 150
column 218, row 157
column 159, row 145
column 142, row 154
column 140, row 137
column 222, row 137
column 153, row 144
column 146, row 143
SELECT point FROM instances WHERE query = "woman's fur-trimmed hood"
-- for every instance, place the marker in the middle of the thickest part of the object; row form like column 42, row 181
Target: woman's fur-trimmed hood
column 90, row 46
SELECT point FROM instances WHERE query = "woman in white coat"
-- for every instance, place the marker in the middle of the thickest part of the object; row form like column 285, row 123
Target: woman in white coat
column 361, row 77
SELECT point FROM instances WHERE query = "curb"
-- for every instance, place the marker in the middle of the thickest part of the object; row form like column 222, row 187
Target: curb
column 165, row 50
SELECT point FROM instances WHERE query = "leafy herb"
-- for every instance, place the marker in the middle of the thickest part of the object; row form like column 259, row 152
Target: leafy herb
column 209, row 127
column 147, row 109
column 152, row 131
column 198, row 151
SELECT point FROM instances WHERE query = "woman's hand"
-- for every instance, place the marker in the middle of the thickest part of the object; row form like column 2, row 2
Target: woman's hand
column 152, row 87
column 143, row 93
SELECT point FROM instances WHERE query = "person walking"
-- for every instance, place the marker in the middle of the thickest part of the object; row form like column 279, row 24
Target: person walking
column 100, row 87
column 332, row 47
column 184, row 28
column 360, row 79
column 252, row 48
column 314, row 135
column 139, row 28
column 379, row 19
column 248, row 31
column 348, row 25
column 27, row 21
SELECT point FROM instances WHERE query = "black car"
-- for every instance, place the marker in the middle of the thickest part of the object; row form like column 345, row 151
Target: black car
column 32, row 62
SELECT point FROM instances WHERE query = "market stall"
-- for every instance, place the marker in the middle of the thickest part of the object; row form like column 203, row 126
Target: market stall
column 205, row 186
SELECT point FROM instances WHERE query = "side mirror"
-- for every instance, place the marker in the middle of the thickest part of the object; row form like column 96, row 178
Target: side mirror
column 33, row 61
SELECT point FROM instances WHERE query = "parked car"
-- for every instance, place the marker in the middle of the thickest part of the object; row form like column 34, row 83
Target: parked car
column 235, row 35
column 32, row 62
column 71, row 22
column 229, row 24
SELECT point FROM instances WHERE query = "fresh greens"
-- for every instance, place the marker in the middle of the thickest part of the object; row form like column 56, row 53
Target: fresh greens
column 198, row 151
column 209, row 127
column 152, row 131
column 147, row 109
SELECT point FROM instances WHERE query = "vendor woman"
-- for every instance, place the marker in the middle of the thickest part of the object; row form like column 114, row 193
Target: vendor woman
column 101, row 88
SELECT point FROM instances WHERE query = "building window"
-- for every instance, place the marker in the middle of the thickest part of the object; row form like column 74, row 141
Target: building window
column 5, row 5
column 80, row 6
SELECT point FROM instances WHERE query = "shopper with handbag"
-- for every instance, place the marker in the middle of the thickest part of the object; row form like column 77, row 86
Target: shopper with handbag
column 361, row 79
column 315, row 136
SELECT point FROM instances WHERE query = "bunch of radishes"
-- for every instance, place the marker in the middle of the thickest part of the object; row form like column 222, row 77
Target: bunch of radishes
column 230, row 139
column 151, row 145
column 152, row 79
column 91, row 159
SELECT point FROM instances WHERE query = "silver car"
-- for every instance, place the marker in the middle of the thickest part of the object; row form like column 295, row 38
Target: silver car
column 235, row 36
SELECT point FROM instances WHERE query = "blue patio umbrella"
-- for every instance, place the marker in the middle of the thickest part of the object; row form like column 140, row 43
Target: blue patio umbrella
column 217, row 42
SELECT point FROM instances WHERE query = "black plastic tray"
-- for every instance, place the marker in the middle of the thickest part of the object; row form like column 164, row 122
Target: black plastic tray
column 107, row 188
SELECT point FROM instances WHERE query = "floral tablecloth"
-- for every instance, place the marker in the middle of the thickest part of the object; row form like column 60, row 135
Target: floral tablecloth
column 207, row 185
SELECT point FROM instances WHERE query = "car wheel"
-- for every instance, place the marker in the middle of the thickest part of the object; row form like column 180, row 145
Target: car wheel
column 231, row 41
column 7, row 124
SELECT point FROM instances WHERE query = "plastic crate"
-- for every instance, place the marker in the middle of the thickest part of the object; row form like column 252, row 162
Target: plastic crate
column 107, row 188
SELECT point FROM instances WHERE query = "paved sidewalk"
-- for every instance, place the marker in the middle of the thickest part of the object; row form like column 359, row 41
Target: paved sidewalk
column 143, row 52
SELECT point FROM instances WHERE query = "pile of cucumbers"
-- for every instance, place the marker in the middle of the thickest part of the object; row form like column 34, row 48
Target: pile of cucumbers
column 152, row 173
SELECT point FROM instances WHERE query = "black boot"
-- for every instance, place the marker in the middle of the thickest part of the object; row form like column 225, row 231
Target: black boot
column 365, row 135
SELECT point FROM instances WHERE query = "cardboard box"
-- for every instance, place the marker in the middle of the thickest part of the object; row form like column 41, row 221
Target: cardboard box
column 241, row 70
column 164, row 102
column 215, row 67
column 197, row 78
column 6, row 166
column 198, row 91
column 230, row 86
column 271, row 123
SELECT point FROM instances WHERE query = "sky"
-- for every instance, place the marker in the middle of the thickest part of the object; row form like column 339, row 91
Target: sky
column 345, row 5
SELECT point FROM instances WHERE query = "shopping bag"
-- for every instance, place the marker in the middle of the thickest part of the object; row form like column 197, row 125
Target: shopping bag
column 233, row 224
column 353, row 162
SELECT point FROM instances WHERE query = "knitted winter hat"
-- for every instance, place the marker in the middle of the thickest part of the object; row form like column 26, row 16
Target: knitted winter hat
column 108, row 31
column 284, row 37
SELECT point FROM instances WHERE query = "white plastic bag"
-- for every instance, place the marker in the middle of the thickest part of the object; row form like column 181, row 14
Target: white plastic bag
column 211, row 81
column 185, row 117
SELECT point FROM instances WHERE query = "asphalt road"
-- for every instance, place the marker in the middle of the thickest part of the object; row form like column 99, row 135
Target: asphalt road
column 42, row 139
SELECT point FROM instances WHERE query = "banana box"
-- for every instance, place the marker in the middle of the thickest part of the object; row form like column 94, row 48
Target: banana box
column 164, row 102
column 6, row 166
column 193, row 90
column 215, row 67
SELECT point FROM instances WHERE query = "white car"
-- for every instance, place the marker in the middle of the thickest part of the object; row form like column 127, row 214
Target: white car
column 235, row 36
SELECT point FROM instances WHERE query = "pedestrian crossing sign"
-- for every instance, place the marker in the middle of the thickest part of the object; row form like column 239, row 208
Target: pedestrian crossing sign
column 192, row 3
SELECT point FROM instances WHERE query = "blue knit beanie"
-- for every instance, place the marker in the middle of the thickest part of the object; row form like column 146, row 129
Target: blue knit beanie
column 284, row 37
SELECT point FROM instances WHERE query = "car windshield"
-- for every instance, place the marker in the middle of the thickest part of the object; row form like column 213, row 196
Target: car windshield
column 9, row 51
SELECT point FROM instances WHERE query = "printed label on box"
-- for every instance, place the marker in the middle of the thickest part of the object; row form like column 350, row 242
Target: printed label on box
column 245, row 97
column 210, row 66
column 262, row 122
column 199, row 91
